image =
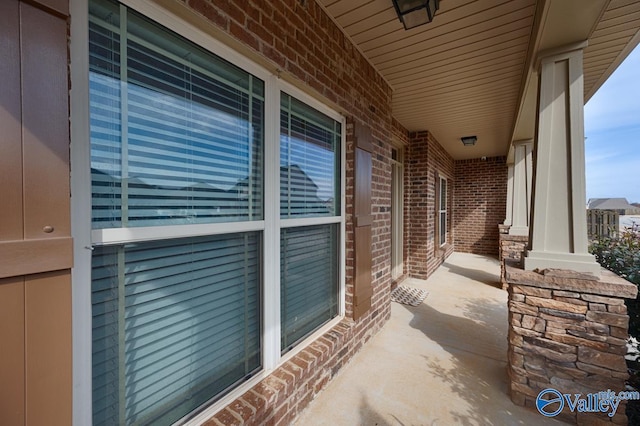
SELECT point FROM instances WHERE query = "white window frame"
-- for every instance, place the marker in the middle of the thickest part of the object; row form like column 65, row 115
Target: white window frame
column 443, row 210
column 85, row 238
column 310, row 221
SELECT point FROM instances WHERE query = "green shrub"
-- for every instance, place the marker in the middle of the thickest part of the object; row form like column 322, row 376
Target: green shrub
column 622, row 255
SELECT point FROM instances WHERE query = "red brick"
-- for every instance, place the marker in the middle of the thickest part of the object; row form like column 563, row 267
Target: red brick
column 320, row 383
column 278, row 414
column 319, row 351
column 241, row 408
column 285, row 420
column 228, row 418
column 252, row 399
column 302, row 363
column 312, row 51
column 480, row 194
column 212, row 14
column 288, row 378
column 267, row 393
column 424, row 160
column 243, row 35
column 279, row 386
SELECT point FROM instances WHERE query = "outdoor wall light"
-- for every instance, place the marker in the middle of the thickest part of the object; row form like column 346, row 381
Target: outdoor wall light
column 413, row 13
column 469, row 140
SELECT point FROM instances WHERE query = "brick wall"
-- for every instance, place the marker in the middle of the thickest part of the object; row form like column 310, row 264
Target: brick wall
column 301, row 42
column 426, row 159
column 280, row 397
column 399, row 133
column 380, row 231
column 305, row 47
column 480, row 195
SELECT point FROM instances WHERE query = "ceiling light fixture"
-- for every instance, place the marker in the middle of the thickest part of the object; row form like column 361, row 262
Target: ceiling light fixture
column 469, row 140
column 413, row 13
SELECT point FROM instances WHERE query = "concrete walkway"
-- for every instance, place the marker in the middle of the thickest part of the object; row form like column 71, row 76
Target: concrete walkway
column 441, row 363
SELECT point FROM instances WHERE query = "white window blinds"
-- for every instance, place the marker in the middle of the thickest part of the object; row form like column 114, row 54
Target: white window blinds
column 176, row 138
column 308, row 280
column 310, row 147
column 175, row 323
column 309, row 161
column 176, row 132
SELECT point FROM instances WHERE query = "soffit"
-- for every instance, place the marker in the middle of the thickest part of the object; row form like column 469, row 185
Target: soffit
column 612, row 29
column 471, row 70
column 559, row 23
column 459, row 75
column 615, row 36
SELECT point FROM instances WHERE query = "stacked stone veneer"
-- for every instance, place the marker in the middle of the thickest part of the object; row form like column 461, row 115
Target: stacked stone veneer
column 567, row 331
column 512, row 248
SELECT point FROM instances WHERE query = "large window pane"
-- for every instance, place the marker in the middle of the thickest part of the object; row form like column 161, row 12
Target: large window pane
column 309, row 161
column 308, row 280
column 176, row 132
column 175, row 323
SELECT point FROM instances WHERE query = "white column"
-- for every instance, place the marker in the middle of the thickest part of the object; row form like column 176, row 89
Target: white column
column 558, row 237
column 509, row 214
column 522, row 177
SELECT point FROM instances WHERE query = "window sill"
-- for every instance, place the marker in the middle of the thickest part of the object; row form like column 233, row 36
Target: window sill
column 443, row 248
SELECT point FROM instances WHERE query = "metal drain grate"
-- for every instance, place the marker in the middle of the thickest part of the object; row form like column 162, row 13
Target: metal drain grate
column 408, row 295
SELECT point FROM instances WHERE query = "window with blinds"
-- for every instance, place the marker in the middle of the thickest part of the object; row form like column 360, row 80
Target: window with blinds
column 180, row 295
column 309, row 161
column 309, row 187
column 175, row 322
column 176, row 138
column 176, row 132
column 309, row 280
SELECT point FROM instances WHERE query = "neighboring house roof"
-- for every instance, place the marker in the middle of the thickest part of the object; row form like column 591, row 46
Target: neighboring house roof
column 609, row 204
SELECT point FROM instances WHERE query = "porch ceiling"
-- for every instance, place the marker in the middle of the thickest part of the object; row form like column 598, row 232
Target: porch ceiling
column 470, row 71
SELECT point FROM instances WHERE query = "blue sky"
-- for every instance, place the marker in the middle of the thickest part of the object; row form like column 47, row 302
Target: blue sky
column 612, row 128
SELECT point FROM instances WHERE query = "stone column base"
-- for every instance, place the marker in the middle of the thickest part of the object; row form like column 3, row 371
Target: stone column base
column 512, row 248
column 567, row 331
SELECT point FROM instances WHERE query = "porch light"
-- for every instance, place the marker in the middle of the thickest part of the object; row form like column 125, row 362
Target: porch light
column 413, row 13
column 469, row 140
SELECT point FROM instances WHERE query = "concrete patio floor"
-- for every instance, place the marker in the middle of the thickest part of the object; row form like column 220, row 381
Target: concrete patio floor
column 440, row 363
